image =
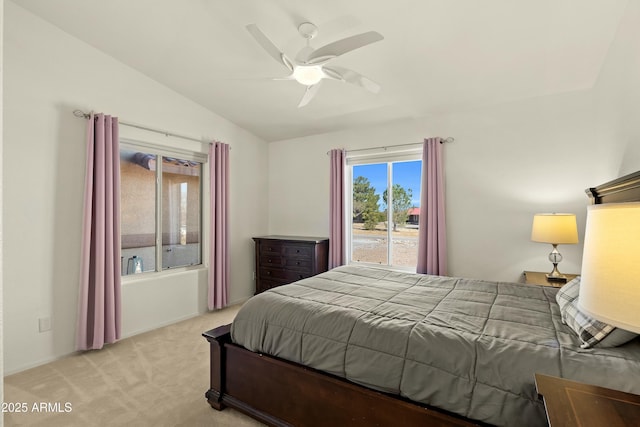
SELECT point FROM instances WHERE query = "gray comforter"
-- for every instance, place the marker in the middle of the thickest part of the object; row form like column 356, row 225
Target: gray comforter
column 467, row 346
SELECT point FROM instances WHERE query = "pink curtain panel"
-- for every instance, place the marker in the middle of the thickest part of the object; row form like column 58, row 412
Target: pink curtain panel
column 99, row 313
column 336, row 209
column 432, row 239
column 219, row 229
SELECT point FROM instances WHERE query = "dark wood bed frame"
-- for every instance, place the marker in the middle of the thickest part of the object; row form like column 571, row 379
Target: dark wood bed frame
column 282, row 393
column 623, row 189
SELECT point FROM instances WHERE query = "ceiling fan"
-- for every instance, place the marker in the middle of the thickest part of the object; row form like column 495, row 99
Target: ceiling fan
column 309, row 67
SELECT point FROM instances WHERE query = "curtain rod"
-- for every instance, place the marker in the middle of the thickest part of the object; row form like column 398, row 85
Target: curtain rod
column 442, row 141
column 82, row 114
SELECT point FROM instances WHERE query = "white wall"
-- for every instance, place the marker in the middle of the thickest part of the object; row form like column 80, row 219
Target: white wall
column 48, row 74
column 618, row 89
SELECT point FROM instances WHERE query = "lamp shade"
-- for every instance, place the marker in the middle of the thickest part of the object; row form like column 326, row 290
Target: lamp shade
column 554, row 228
column 610, row 283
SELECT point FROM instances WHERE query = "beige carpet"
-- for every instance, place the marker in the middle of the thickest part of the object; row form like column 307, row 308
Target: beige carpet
column 153, row 379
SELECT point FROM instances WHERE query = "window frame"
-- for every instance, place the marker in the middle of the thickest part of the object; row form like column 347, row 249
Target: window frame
column 375, row 157
column 183, row 154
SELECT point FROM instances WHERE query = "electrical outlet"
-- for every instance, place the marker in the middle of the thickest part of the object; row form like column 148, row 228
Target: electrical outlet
column 254, row 275
column 44, row 324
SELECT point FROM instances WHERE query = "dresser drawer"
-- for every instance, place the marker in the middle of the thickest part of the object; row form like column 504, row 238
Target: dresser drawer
column 266, row 284
column 272, row 259
column 298, row 264
column 294, row 263
column 298, row 251
column 282, row 274
column 271, row 248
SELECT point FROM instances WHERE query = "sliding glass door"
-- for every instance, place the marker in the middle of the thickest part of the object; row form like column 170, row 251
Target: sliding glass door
column 385, row 212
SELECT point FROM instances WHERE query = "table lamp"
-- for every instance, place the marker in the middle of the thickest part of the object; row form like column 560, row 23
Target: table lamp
column 556, row 229
column 610, row 282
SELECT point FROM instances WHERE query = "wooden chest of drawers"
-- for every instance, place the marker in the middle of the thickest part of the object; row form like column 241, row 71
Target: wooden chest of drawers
column 285, row 259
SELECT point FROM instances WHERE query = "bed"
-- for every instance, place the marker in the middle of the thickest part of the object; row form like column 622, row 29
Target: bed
column 454, row 351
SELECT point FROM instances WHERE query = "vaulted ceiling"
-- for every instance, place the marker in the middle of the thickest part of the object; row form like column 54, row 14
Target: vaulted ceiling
column 437, row 56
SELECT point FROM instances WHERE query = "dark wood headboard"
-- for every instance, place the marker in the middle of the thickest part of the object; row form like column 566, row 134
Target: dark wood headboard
column 623, row 189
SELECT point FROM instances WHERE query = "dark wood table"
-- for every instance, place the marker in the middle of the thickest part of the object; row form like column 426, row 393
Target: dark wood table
column 570, row 403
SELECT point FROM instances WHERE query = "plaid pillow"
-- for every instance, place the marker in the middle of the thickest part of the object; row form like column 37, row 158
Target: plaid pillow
column 567, row 294
column 590, row 331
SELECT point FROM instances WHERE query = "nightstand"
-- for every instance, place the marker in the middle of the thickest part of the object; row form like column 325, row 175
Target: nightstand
column 540, row 278
column 570, row 403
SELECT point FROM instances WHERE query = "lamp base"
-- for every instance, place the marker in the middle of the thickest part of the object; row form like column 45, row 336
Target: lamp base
column 555, row 275
column 555, row 258
column 562, row 278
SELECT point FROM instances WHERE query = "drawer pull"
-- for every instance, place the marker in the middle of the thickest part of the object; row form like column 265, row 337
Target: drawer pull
column 269, row 261
column 268, row 273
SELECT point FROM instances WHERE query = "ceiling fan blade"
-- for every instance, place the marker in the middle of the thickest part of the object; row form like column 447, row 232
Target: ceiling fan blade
column 343, row 46
column 268, row 46
column 350, row 76
column 309, row 94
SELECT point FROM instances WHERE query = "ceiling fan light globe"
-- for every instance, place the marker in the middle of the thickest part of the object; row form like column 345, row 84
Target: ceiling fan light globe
column 308, row 75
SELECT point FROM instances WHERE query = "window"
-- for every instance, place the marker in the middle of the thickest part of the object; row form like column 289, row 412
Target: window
column 379, row 234
column 160, row 208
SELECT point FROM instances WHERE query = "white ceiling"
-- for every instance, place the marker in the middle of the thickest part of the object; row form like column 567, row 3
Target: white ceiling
column 438, row 56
